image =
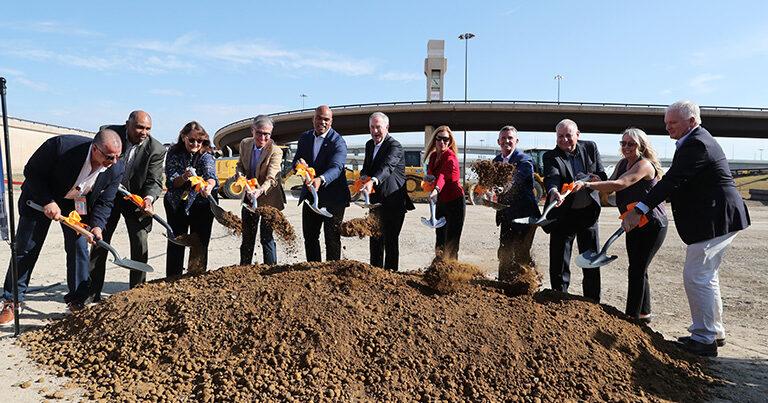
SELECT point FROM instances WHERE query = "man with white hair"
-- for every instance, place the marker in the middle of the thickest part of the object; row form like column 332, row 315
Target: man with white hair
column 708, row 211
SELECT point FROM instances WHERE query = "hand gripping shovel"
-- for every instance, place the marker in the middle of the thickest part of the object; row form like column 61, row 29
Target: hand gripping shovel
column 357, row 190
column 542, row 221
column 139, row 202
column 126, row 263
column 198, row 182
column 306, row 174
column 591, row 259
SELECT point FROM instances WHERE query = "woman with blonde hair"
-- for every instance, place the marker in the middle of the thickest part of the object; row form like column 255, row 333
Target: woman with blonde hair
column 632, row 179
column 448, row 194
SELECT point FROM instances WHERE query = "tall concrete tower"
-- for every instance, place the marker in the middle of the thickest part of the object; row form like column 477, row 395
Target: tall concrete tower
column 435, row 66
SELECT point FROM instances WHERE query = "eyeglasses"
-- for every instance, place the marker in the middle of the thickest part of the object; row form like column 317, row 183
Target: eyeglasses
column 629, row 144
column 108, row 157
column 443, row 139
column 196, row 141
column 260, row 133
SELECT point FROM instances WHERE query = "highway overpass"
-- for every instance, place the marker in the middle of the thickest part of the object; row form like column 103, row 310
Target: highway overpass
column 529, row 116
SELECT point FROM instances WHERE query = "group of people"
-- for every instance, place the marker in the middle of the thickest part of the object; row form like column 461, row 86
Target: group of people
column 77, row 173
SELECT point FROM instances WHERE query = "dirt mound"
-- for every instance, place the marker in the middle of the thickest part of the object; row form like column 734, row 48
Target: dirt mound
column 492, row 175
column 347, row 331
column 363, row 227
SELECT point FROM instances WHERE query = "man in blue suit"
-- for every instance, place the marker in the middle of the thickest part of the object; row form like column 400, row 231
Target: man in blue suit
column 515, row 240
column 66, row 173
column 708, row 211
column 323, row 149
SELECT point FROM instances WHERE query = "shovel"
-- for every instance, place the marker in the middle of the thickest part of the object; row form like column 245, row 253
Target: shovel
column 542, row 221
column 314, row 206
column 433, row 222
column 366, row 202
column 126, row 263
column 218, row 212
column 592, row 260
column 357, row 189
column 135, row 200
column 254, row 202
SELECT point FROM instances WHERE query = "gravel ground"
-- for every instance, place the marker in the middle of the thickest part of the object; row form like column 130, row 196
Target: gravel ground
column 743, row 362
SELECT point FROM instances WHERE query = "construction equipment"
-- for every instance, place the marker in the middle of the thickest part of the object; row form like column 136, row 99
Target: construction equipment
column 73, row 221
column 592, row 259
column 139, row 201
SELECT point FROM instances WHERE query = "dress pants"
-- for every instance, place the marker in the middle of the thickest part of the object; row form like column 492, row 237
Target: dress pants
column 514, row 252
column 199, row 221
column 448, row 237
column 560, row 247
column 642, row 245
column 266, row 237
column 702, row 286
column 311, row 223
column 30, row 236
column 385, row 251
column 138, row 226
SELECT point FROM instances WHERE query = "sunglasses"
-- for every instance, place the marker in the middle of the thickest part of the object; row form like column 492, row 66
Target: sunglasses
column 443, row 139
column 627, row 144
column 196, row 141
column 108, row 157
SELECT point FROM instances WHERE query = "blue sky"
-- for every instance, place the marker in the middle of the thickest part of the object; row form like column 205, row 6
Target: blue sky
column 84, row 64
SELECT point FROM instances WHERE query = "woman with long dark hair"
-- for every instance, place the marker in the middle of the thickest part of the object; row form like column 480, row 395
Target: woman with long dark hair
column 186, row 203
column 632, row 179
column 448, row 194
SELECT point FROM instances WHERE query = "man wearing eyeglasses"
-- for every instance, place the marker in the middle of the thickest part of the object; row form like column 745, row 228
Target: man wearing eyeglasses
column 143, row 158
column 66, row 173
column 260, row 158
column 576, row 215
column 323, row 149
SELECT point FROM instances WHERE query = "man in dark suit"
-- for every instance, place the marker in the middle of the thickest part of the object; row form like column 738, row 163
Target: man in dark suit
column 323, row 149
column 260, row 158
column 143, row 158
column 708, row 211
column 515, row 240
column 66, row 173
column 572, row 159
column 384, row 165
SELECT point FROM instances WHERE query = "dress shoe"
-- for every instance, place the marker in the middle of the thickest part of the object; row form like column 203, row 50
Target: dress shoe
column 684, row 339
column 700, row 349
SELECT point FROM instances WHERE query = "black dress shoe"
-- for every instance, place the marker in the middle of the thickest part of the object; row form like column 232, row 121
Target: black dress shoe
column 700, row 349
column 684, row 339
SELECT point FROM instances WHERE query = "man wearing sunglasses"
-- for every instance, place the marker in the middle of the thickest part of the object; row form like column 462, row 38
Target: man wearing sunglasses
column 143, row 158
column 576, row 215
column 67, row 173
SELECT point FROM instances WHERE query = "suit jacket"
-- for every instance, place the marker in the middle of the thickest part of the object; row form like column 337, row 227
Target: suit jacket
column 705, row 202
column 329, row 164
column 558, row 170
column 388, row 167
column 145, row 177
column 267, row 172
column 52, row 171
column 519, row 197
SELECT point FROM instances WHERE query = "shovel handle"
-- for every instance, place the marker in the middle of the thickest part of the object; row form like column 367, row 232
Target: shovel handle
column 79, row 230
column 611, row 240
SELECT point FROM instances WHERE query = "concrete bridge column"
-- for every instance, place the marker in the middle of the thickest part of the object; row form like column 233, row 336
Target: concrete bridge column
column 429, row 131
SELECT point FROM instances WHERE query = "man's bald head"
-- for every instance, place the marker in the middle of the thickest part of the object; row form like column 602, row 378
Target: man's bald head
column 106, row 148
column 138, row 126
column 322, row 119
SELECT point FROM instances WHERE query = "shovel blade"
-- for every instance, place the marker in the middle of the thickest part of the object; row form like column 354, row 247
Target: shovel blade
column 593, row 260
column 134, row 265
column 319, row 210
column 436, row 224
column 526, row 220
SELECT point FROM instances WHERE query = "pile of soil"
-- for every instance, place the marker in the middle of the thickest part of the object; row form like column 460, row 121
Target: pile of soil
column 492, row 175
column 368, row 226
column 347, row 331
column 275, row 219
column 233, row 222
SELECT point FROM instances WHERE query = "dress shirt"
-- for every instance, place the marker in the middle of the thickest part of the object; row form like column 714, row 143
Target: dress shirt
column 255, row 155
column 86, row 179
column 318, row 143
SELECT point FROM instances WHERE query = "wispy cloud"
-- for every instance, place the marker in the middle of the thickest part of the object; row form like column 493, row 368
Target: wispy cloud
column 166, row 92
column 400, row 76
column 48, row 27
column 703, row 82
column 21, row 78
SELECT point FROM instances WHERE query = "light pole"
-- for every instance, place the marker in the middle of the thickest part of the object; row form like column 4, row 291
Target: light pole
column 465, row 37
column 303, row 97
column 558, row 78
